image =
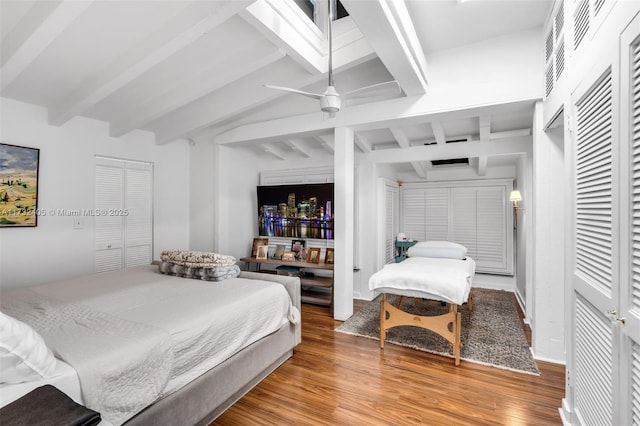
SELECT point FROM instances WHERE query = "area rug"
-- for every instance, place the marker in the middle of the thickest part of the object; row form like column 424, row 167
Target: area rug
column 491, row 332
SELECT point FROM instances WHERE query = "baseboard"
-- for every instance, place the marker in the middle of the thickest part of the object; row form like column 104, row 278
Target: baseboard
column 565, row 413
column 495, row 282
column 549, row 360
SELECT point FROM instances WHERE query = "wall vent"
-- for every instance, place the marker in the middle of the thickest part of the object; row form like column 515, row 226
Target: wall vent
column 451, row 162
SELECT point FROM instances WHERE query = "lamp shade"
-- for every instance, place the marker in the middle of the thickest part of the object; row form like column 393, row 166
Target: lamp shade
column 515, row 196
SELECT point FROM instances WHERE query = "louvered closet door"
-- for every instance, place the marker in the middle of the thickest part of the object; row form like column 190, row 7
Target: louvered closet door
column 109, row 229
column 138, row 218
column 630, row 225
column 464, row 230
column 414, row 204
column 491, row 234
column 595, row 265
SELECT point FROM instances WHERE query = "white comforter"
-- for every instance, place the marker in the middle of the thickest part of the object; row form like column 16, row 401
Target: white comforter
column 136, row 335
column 448, row 280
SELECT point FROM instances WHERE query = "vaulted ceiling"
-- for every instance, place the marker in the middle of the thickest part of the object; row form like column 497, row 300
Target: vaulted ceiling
column 196, row 69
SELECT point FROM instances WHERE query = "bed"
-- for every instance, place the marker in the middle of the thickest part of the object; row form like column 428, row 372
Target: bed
column 145, row 348
column 437, row 270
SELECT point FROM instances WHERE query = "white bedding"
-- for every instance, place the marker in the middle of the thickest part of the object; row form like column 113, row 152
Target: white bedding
column 447, row 280
column 188, row 326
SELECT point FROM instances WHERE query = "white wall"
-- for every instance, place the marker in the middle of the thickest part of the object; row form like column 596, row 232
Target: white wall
column 547, row 312
column 202, row 172
column 54, row 250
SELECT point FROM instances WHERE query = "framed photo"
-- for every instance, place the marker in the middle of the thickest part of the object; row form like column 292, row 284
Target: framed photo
column 257, row 242
column 288, row 256
column 313, row 255
column 328, row 255
column 279, row 252
column 18, row 186
column 297, row 245
column 262, row 252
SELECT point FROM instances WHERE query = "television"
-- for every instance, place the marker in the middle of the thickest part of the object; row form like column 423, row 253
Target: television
column 296, row 211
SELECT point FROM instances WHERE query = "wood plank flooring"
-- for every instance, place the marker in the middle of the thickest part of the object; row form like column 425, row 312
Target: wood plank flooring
column 338, row 379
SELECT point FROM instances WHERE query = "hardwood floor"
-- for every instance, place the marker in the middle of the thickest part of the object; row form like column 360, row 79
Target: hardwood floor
column 338, row 379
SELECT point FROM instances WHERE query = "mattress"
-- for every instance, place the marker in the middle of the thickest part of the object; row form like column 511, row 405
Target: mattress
column 188, row 327
column 447, row 280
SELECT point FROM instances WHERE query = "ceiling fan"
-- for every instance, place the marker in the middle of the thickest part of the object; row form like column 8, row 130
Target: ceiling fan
column 331, row 100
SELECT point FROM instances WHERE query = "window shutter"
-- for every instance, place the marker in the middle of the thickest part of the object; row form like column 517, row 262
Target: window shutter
column 593, row 185
column 491, row 234
column 635, row 385
column 580, row 23
column 391, row 222
column 414, row 207
column 464, row 219
column 437, row 214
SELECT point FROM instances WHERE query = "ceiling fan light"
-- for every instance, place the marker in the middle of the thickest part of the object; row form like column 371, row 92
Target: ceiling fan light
column 330, row 104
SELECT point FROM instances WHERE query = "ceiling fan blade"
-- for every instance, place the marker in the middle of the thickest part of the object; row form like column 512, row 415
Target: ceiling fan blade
column 299, row 92
column 379, row 89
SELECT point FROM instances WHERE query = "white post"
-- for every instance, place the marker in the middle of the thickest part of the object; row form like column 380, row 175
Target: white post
column 343, row 223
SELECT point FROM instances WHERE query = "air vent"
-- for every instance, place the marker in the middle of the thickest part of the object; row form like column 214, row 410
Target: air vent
column 457, row 140
column 451, row 162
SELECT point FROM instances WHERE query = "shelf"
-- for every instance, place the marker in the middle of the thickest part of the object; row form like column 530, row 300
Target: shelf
column 324, row 282
column 316, row 297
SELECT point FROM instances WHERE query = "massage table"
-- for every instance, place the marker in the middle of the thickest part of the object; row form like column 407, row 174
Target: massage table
column 445, row 279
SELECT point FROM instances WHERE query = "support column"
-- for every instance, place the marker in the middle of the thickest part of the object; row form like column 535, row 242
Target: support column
column 343, row 223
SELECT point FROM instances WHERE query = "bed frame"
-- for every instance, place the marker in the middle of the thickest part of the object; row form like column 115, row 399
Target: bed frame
column 447, row 325
column 208, row 396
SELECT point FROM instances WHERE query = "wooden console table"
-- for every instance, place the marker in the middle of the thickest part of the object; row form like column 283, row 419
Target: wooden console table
column 310, row 284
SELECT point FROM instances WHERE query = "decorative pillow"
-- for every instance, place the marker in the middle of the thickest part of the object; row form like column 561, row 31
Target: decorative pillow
column 24, row 356
column 437, row 249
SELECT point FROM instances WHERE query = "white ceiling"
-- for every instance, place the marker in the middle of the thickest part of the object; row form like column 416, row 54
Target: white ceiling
column 194, row 69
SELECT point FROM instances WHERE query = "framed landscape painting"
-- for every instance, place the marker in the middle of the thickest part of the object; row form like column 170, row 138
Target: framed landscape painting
column 18, row 186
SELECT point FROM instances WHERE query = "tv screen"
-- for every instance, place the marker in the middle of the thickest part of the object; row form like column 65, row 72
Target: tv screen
column 296, row 211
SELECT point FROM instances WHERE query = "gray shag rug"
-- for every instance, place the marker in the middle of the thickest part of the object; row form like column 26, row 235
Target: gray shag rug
column 491, row 332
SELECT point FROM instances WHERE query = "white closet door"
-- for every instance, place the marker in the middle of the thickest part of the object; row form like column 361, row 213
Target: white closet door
column 595, row 271
column 436, row 214
column 630, row 228
column 138, row 217
column 109, row 229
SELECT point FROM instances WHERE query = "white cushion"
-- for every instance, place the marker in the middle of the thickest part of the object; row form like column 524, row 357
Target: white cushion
column 24, row 356
column 445, row 249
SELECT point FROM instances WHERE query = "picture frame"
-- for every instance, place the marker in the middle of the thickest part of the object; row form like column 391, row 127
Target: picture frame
column 262, row 252
column 278, row 252
column 297, row 245
column 19, row 185
column 257, row 242
column 288, row 256
column 328, row 255
column 313, row 255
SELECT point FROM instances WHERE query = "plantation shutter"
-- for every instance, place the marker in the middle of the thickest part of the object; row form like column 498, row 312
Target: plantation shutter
column 414, row 205
column 391, row 222
column 635, row 181
column 437, row 214
column 464, row 219
column 491, row 241
column 593, row 280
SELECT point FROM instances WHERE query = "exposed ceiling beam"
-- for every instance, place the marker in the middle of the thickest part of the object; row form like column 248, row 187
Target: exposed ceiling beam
column 485, row 127
column 389, row 28
column 482, row 165
column 404, row 142
column 157, row 47
column 438, row 132
column 522, row 144
column 376, row 115
column 295, row 146
column 511, row 133
column 284, row 24
column 210, row 79
column 44, row 22
column 270, row 149
column 327, row 142
column 363, row 143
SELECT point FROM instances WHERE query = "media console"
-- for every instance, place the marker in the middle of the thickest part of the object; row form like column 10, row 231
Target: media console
column 311, row 284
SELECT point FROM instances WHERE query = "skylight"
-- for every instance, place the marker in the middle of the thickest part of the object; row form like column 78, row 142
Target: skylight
column 316, row 10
